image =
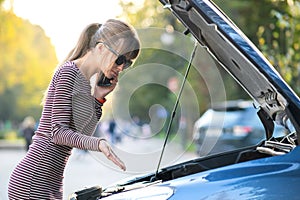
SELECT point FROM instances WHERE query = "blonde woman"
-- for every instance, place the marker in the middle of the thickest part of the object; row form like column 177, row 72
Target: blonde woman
column 72, row 109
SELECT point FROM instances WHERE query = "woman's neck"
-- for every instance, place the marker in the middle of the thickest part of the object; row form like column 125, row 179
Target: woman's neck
column 85, row 67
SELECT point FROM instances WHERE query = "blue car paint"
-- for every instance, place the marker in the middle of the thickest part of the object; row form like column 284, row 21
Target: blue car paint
column 276, row 177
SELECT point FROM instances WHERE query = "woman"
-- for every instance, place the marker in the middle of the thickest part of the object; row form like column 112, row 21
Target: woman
column 27, row 130
column 72, row 109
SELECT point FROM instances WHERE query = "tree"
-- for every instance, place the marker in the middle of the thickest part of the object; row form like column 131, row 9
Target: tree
column 151, row 14
column 261, row 21
column 26, row 65
column 148, row 14
column 280, row 41
column 274, row 27
column 175, row 53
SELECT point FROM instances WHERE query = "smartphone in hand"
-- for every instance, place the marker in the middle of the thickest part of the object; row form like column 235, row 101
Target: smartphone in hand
column 104, row 81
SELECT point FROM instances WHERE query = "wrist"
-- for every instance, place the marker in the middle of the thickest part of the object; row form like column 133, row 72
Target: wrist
column 99, row 143
column 101, row 100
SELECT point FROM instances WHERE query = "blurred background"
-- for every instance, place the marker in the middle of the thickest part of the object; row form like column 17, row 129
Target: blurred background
column 35, row 36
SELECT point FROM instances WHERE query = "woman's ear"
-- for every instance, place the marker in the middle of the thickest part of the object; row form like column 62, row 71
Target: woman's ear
column 98, row 48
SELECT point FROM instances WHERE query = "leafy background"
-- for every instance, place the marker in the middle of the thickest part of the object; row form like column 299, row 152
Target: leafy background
column 28, row 57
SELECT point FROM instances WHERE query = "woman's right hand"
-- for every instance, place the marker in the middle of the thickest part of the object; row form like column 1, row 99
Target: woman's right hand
column 102, row 91
column 106, row 149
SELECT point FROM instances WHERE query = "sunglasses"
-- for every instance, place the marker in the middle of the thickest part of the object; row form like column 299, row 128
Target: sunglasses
column 121, row 58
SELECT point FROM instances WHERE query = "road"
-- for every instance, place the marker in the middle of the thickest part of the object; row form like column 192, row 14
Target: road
column 86, row 169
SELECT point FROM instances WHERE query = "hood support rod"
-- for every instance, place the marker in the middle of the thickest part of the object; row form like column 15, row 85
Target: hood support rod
column 174, row 110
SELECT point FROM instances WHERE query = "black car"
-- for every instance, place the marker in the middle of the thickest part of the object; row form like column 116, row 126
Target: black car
column 230, row 125
column 268, row 170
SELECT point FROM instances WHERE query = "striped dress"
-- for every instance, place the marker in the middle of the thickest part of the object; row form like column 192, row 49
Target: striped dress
column 68, row 120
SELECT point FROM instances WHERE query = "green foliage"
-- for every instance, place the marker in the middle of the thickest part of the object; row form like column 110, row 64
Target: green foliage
column 272, row 25
column 280, row 42
column 27, row 62
column 152, row 14
column 150, row 94
column 248, row 15
column 148, row 14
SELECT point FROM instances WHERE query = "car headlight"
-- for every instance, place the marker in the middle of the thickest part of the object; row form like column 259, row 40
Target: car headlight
column 147, row 193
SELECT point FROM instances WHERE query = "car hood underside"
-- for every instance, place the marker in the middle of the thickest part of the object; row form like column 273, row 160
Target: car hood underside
column 236, row 54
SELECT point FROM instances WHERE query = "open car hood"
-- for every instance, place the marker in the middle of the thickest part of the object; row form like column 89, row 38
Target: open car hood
column 239, row 56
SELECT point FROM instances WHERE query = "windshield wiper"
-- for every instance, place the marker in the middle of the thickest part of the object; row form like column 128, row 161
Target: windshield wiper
column 174, row 111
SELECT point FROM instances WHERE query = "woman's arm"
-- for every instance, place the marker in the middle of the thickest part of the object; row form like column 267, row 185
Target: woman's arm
column 62, row 115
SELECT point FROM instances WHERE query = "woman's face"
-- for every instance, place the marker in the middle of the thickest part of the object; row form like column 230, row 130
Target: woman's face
column 114, row 62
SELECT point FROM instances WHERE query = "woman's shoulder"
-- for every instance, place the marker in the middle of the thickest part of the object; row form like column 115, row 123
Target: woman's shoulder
column 68, row 66
column 69, row 72
column 67, row 69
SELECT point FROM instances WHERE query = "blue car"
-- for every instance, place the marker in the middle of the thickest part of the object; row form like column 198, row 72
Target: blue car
column 267, row 170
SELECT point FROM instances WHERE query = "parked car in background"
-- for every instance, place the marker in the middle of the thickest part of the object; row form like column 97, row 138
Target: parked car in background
column 268, row 170
column 230, row 125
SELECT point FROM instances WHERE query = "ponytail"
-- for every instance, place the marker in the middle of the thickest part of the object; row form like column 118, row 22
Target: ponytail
column 84, row 43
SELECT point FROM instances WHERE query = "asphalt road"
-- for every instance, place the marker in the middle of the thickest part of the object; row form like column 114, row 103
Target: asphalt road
column 86, row 169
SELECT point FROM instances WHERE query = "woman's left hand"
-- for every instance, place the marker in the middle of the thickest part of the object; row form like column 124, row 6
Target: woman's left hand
column 106, row 149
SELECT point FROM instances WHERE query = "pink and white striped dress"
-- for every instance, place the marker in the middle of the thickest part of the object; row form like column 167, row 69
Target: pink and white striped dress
column 68, row 120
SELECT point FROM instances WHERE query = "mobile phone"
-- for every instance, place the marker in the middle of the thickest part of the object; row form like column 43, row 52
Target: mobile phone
column 104, row 81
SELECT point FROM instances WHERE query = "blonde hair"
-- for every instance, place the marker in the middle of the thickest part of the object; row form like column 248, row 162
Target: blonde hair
column 84, row 42
column 113, row 32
